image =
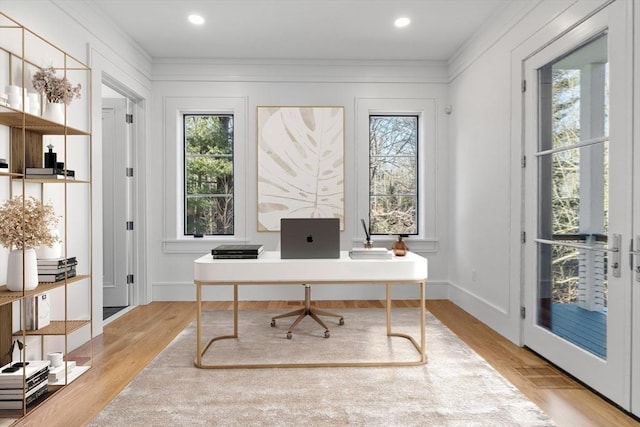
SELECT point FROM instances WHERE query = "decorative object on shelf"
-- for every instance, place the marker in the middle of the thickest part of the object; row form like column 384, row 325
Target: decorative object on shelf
column 52, row 251
column 399, row 247
column 13, row 367
column 58, row 91
column 50, row 158
column 34, row 103
column 14, row 97
column 25, row 225
column 368, row 244
column 55, row 359
column 4, row 164
column 54, row 111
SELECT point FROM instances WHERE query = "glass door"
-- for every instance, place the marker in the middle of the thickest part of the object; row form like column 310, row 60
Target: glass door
column 578, row 197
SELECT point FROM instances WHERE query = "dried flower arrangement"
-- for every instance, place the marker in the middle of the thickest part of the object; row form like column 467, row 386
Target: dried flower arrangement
column 57, row 89
column 26, row 223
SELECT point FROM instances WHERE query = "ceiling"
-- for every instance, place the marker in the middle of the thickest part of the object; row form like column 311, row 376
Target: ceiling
column 301, row 29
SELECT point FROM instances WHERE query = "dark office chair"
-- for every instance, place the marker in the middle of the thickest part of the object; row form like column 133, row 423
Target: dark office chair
column 305, row 311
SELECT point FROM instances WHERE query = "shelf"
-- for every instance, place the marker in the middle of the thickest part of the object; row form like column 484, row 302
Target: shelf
column 71, row 376
column 55, row 181
column 18, row 119
column 5, row 172
column 56, row 327
column 7, row 296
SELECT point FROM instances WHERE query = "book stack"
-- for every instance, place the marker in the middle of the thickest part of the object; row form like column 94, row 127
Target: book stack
column 370, row 253
column 49, row 173
column 24, row 384
column 237, row 251
column 54, row 270
column 57, row 374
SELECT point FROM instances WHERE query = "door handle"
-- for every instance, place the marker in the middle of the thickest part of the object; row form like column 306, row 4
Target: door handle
column 636, row 252
column 615, row 254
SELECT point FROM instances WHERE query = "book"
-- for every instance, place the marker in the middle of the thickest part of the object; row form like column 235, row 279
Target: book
column 52, row 176
column 46, row 269
column 49, row 171
column 24, row 375
column 31, row 383
column 58, row 373
column 372, row 253
column 236, row 256
column 16, row 401
column 237, row 250
column 50, row 278
column 60, row 262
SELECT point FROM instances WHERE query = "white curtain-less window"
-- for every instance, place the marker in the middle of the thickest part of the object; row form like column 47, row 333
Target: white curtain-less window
column 205, row 151
column 396, row 170
column 208, row 174
column 393, row 174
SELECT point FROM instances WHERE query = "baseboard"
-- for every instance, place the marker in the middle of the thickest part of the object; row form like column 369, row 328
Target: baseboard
column 503, row 321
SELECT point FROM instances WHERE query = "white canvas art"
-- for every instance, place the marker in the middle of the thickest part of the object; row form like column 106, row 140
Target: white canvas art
column 300, row 164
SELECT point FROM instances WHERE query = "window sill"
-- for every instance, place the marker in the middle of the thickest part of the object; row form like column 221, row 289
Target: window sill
column 200, row 245
column 415, row 245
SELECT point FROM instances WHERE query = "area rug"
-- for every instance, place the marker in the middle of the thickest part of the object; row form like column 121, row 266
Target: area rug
column 455, row 388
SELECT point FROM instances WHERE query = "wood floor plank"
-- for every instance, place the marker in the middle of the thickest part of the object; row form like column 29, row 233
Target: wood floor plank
column 133, row 340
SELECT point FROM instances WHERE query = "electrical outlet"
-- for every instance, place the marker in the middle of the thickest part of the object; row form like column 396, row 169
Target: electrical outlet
column 474, row 275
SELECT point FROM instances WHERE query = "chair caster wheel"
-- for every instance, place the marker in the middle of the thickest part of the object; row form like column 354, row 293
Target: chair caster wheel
column 289, row 335
column 273, row 323
column 341, row 321
column 327, row 334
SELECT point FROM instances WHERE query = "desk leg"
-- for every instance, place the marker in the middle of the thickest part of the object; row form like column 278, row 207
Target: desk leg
column 423, row 352
column 235, row 311
column 198, row 324
column 388, row 309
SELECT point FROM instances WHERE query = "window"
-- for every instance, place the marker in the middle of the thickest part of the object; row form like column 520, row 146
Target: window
column 196, row 193
column 393, row 174
column 396, row 170
column 208, row 174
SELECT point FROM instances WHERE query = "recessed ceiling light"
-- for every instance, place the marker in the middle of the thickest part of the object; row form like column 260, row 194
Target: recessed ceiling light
column 402, row 22
column 196, row 19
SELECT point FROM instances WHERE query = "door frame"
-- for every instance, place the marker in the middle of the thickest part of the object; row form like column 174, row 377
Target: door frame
column 116, row 292
column 619, row 358
column 137, row 105
column 635, row 351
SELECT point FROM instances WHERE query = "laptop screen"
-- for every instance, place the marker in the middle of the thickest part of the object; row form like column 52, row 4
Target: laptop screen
column 309, row 238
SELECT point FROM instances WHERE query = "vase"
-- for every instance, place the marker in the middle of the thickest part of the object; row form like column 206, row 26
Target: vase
column 54, row 112
column 15, row 269
column 50, row 252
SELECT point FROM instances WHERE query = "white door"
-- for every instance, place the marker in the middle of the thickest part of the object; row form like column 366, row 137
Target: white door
column 578, row 201
column 117, row 251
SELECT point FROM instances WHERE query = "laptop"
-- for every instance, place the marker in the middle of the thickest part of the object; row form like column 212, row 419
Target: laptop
column 309, row 238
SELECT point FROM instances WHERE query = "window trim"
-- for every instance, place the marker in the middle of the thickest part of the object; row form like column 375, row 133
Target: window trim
column 174, row 240
column 425, row 108
column 417, row 159
column 185, row 196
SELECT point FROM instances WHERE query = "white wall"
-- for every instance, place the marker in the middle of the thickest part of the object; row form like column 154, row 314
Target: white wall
column 88, row 37
column 282, row 84
column 485, row 178
column 476, row 261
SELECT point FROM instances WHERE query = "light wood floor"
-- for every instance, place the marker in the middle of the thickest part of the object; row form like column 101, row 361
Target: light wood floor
column 132, row 341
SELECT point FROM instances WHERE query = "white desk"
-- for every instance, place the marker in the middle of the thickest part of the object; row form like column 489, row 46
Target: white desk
column 269, row 269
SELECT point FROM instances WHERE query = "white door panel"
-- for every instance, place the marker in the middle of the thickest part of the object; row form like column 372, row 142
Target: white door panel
column 116, row 204
column 578, row 201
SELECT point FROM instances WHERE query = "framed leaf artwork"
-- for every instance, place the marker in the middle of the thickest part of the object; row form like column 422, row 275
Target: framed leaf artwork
column 300, row 164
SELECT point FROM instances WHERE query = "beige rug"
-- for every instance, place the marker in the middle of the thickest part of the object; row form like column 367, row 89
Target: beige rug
column 455, row 388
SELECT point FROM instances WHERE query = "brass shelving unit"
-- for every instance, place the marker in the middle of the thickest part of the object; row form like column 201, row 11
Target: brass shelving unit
column 23, row 136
